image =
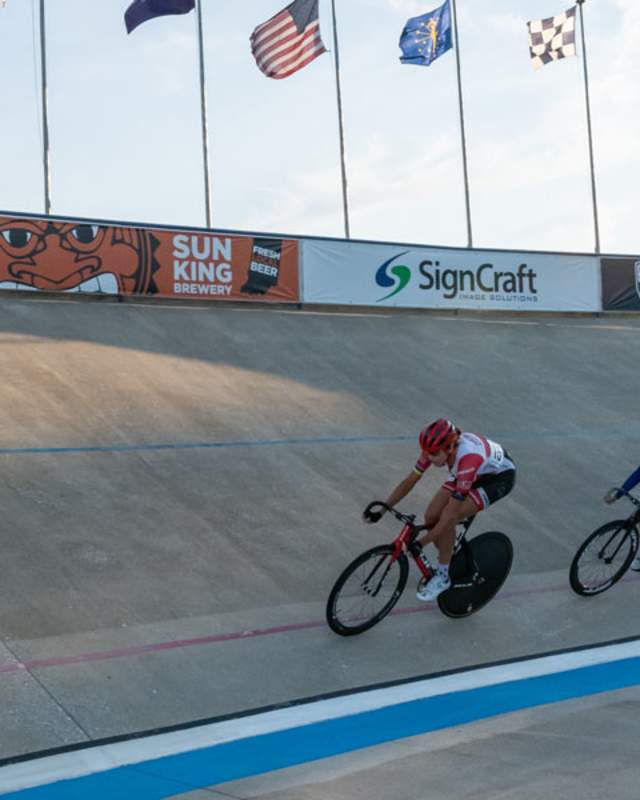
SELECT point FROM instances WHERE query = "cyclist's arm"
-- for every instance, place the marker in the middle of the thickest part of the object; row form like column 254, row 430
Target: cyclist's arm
column 632, row 480
column 406, row 484
column 613, row 494
column 403, row 488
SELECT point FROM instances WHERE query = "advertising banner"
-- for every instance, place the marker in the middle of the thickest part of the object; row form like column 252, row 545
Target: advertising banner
column 45, row 254
column 420, row 277
column 621, row 284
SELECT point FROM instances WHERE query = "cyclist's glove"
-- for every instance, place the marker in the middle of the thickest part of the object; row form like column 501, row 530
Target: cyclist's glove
column 612, row 495
column 371, row 516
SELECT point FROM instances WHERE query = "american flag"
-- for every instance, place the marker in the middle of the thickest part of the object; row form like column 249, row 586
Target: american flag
column 288, row 41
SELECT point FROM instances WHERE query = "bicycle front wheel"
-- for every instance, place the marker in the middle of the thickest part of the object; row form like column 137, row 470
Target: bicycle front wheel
column 603, row 558
column 367, row 590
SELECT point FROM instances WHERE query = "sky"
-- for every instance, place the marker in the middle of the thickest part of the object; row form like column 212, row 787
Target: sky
column 125, row 130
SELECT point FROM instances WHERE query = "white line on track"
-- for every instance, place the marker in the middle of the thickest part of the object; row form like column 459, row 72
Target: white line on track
column 334, row 313
column 538, row 323
column 633, row 328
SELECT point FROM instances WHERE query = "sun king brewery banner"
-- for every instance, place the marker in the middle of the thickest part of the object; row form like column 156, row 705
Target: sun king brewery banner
column 50, row 255
column 420, row 277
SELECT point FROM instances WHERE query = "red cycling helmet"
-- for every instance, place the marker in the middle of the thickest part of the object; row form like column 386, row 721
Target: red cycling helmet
column 439, row 435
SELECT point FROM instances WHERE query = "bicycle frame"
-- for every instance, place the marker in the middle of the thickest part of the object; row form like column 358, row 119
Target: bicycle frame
column 406, row 542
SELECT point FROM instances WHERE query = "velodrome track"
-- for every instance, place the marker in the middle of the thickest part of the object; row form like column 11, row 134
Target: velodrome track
column 182, row 484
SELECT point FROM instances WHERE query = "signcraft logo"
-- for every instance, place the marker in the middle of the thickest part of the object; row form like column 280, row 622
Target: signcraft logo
column 401, row 273
column 485, row 282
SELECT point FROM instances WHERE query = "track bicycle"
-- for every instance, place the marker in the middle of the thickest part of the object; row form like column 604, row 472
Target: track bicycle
column 371, row 585
column 604, row 556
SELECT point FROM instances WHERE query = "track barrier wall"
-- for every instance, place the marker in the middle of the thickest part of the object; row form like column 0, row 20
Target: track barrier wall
column 55, row 254
column 49, row 254
column 426, row 277
column 621, row 284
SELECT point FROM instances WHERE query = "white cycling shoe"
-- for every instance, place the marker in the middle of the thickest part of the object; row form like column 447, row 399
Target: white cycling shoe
column 635, row 564
column 431, row 590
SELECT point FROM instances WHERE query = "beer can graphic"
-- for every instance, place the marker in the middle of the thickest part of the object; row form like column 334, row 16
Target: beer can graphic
column 264, row 266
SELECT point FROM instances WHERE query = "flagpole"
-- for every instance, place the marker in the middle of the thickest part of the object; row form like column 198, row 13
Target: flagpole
column 340, row 125
column 591, row 163
column 464, row 145
column 205, row 125
column 45, row 118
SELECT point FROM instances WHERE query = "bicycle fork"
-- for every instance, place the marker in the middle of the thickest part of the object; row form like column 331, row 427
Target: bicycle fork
column 372, row 591
column 628, row 531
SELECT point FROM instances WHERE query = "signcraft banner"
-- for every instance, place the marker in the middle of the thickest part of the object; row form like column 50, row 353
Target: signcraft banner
column 417, row 277
column 45, row 254
column 621, row 284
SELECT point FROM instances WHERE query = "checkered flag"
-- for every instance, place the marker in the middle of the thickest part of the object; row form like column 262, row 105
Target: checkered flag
column 552, row 38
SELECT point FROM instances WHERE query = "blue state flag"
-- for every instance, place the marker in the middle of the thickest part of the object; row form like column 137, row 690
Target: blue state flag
column 427, row 37
column 141, row 10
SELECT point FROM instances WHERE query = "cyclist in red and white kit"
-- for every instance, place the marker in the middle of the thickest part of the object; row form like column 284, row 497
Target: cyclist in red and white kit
column 481, row 473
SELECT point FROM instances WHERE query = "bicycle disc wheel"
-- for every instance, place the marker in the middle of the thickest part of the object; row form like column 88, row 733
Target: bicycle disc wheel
column 603, row 558
column 367, row 590
column 493, row 554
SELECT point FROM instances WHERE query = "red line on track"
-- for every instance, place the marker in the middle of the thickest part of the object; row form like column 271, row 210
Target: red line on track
column 134, row 650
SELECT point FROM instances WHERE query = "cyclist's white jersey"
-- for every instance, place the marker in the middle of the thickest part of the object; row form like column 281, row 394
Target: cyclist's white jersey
column 475, row 456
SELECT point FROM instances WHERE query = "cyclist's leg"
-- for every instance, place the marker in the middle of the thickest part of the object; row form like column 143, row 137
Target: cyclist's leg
column 442, row 516
column 436, row 506
column 445, row 512
column 444, row 533
column 434, row 510
column 485, row 491
column 488, row 489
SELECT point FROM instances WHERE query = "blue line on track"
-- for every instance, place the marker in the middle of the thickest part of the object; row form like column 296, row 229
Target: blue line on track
column 172, row 775
column 134, row 448
column 309, row 441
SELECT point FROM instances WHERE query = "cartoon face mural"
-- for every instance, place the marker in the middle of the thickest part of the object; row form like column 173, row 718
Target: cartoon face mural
column 76, row 257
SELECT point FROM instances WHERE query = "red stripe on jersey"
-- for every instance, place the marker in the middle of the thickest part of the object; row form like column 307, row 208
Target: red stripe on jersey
column 467, row 470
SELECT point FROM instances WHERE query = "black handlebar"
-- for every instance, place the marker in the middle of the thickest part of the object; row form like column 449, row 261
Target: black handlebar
column 376, row 504
column 631, row 497
column 410, row 519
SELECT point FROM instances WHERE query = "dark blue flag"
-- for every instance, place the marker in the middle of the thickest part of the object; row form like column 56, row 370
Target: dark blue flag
column 427, row 37
column 141, row 10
